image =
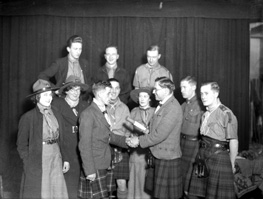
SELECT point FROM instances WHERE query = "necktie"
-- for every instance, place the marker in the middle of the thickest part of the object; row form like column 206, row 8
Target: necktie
column 106, row 117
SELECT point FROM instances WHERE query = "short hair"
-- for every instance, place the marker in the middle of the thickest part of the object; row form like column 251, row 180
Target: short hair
column 190, row 79
column 100, row 85
column 154, row 48
column 111, row 46
column 74, row 39
column 113, row 80
column 165, row 82
column 214, row 86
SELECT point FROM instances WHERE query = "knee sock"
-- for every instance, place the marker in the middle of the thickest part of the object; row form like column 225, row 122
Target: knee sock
column 122, row 194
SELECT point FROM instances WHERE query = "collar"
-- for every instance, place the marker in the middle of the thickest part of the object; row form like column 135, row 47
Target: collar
column 108, row 67
column 70, row 59
column 165, row 99
column 214, row 107
column 153, row 68
column 101, row 106
column 114, row 104
column 191, row 100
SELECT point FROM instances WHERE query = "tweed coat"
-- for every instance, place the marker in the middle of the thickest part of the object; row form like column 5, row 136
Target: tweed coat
column 95, row 137
column 165, row 129
column 29, row 146
column 59, row 69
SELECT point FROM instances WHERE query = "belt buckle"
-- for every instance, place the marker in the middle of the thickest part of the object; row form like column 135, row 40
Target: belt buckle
column 218, row 145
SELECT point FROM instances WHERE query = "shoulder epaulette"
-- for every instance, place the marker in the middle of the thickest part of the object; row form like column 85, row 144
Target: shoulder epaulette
column 223, row 108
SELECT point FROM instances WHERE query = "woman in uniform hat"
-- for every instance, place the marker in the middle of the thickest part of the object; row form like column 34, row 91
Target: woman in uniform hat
column 70, row 105
column 40, row 146
column 138, row 157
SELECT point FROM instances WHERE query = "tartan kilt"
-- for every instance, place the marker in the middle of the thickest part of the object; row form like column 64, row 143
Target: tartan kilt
column 220, row 182
column 121, row 169
column 165, row 179
column 189, row 150
column 101, row 187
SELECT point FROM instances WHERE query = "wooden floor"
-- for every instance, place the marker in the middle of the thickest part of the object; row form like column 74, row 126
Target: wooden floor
column 11, row 179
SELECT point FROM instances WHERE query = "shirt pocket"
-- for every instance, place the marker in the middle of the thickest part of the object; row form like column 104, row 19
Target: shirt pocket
column 193, row 116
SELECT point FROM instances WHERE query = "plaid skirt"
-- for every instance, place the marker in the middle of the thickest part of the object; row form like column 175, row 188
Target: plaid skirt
column 220, row 182
column 189, row 151
column 121, row 169
column 165, row 179
column 101, row 187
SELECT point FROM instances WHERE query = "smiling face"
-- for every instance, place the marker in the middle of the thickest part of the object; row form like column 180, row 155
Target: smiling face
column 74, row 93
column 75, row 50
column 208, row 96
column 115, row 91
column 144, row 99
column 187, row 89
column 45, row 98
column 111, row 56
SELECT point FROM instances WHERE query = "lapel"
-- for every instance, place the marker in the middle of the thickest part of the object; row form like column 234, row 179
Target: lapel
column 157, row 117
column 99, row 115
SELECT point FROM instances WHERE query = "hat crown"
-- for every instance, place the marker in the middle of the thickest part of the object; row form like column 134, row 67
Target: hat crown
column 41, row 84
column 72, row 79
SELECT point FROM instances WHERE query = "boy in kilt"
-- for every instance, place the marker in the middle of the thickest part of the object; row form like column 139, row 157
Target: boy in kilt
column 218, row 148
column 164, row 142
column 95, row 139
column 192, row 114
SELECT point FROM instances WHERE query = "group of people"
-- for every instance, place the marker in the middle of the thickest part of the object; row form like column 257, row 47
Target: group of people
column 82, row 140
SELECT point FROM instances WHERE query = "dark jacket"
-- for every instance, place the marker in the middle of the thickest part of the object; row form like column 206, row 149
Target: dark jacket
column 95, row 140
column 121, row 75
column 29, row 146
column 59, row 70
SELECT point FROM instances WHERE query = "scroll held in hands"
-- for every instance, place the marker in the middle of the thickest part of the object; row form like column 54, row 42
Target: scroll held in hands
column 140, row 126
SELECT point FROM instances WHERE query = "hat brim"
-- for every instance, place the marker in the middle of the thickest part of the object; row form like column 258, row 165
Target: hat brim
column 42, row 91
column 84, row 87
column 135, row 93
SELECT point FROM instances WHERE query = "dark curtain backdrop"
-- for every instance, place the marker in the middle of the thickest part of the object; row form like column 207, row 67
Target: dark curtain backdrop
column 210, row 49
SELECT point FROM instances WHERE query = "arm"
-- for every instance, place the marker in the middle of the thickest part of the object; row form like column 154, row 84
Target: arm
column 85, row 142
column 136, row 79
column 233, row 147
column 23, row 138
column 118, row 140
column 50, row 71
column 170, row 121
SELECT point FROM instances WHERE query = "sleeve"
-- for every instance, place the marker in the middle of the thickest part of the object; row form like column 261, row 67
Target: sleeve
column 126, row 88
column 165, row 127
column 49, row 72
column 136, row 79
column 23, row 138
column 118, row 140
column 231, row 125
column 85, row 142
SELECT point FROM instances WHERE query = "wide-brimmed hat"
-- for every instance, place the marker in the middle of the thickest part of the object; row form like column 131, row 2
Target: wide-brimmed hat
column 73, row 81
column 41, row 86
column 135, row 93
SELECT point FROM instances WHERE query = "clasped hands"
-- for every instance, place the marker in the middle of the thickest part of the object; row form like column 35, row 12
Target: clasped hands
column 133, row 141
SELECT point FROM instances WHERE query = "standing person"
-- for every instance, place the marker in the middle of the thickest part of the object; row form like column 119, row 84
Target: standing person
column 70, row 107
column 146, row 74
column 218, row 148
column 192, row 114
column 118, row 112
column 72, row 64
column 40, row 146
column 138, row 164
column 164, row 142
column 94, row 145
column 111, row 69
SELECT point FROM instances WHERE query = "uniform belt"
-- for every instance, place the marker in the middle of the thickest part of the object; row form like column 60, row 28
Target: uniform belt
column 50, row 141
column 189, row 137
column 214, row 145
